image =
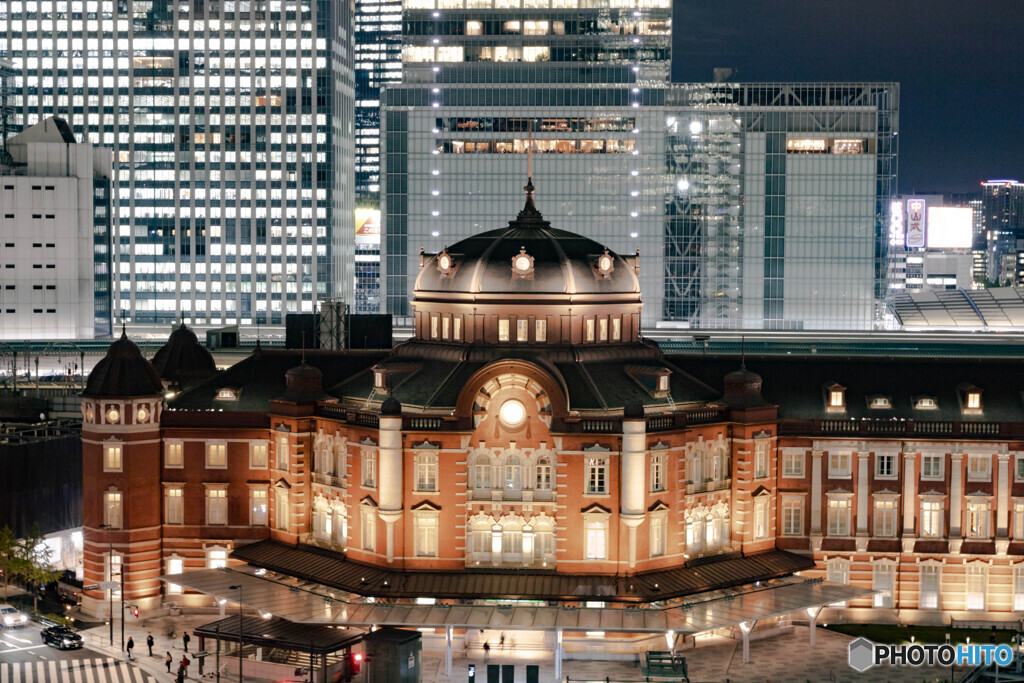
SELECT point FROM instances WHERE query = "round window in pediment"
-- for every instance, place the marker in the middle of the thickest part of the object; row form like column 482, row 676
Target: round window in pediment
column 512, row 413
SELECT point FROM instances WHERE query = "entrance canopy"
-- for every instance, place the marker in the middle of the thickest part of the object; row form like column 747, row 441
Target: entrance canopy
column 275, row 632
column 311, row 603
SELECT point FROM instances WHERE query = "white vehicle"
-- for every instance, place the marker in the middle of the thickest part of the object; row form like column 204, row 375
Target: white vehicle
column 11, row 617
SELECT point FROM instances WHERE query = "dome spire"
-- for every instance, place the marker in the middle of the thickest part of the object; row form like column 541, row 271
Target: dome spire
column 529, row 171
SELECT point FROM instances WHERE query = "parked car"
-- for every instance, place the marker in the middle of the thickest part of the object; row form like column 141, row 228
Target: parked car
column 63, row 637
column 11, row 617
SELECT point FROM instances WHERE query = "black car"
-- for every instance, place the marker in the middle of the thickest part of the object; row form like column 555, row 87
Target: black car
column 63, row 637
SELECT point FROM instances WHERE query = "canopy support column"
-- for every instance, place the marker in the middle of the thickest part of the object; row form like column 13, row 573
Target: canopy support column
column 745, row 628
column 813, row 613
column 558, row 654
column 448, row 636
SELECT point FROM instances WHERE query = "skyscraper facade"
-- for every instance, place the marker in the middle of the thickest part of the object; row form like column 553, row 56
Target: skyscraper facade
column 1003, row 206
column 378, row 61
column 232, row 128
column 753, row 206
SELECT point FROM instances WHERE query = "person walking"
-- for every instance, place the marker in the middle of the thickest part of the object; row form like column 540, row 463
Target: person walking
column 487, row 651
column 185, row 638
column 129, row 646
column 167, row 660
column 185, row 661
column 149, row 643
column 181, row 674
column 501, row 641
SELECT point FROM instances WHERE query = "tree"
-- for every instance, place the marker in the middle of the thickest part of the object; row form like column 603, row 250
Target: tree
column 8, row 555
column 34, row 562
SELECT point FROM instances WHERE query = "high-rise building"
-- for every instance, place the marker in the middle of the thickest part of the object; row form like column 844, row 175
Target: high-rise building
column 232, row 129
column 1003, row 202
column 378, row 61
column 54, row 236
column 757, row 206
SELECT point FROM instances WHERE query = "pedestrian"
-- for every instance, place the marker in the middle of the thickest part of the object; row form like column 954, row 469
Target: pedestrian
column 487, row 651
column 185, row 661
column 167, row 661
column 149, row 644
column 181, row 674
column 501, row 641
column 185, row 638
column 129, row 646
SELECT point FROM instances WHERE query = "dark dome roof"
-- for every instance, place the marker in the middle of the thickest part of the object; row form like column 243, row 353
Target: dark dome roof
column 304, row 384
column 563, row 262
column 183, row 358
column 123, row 373
column 391, row 406
column 743, row 389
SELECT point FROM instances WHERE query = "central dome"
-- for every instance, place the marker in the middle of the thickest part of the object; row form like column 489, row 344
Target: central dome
column 527, row 257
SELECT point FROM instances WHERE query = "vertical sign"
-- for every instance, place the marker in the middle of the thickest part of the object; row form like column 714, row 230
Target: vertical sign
column 916, row 226
column 896, row 232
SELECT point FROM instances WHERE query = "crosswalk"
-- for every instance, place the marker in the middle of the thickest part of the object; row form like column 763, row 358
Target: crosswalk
column 95, row 670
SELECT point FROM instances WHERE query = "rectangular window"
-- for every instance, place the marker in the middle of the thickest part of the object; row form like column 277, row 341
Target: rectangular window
column 1018, row 520
column 931, row 466
column 369, row 467
column 112, row 509
column 174, row 505
column 446, row 324
column 1018, row 587
column 760, row 459
column 616, row 328
column 839, row 463
column 175, row 565
column 369, row 528
column 597, row 539
column 589, row 325
column 885, row 518
column 979, row 468
column 835, row 399
column 658, row 535
column 929, row 596
column 282, row 513
column 792, row 517
column 658, row 472
column 522, row 330
column 174, row 455
column 760, row 518
column 258, row 507
column 838, row 517
column 258, row 459
column 976, row 584
column 541, row 330
column 978, row 516
column 215, row 559
column 426, row 473
column 503, row 329
column 597, row 469
column 602, row 329
column 216, row 506
column 433, row 327
column 885, row 465
column 216, row 455
column 792, row 464
column 931, row 519
column 1020, row 469
column 426, row 535
column 457, row 328
column 282, row 453
column 112, row 458
column 884, row 574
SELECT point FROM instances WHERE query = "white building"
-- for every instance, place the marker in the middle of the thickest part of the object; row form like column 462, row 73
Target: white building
column 55, row 236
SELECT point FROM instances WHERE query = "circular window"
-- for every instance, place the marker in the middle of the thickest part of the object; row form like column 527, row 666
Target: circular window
column 522, row 262
column 113, row 415
column 605, row 263
column 444, row 261
column 512, row 413
column 143, row 414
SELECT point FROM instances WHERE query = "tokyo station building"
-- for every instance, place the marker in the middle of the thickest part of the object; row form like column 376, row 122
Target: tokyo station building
column 528, row 448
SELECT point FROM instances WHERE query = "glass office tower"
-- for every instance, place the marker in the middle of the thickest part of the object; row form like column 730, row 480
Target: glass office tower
column 753, row 206
column 378, row 44
column 232, row 125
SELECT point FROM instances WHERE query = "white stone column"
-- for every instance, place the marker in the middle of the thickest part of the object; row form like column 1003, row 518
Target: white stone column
column 956, row 497
column 1003, row 504
column 909, row 480
column 634, row 468
column 863, row 489
column 816, row 499
column 390, row 508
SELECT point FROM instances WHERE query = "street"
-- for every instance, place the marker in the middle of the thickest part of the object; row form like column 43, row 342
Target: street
column 25, row 659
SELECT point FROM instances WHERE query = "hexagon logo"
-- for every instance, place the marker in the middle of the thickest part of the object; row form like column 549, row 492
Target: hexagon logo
column 862, row 654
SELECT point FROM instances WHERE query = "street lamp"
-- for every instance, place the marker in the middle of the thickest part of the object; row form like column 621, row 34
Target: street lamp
column 241, row 678
column 110, row 572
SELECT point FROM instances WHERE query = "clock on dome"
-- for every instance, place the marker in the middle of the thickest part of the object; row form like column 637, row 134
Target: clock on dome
column 522, row 264
column 445, row 264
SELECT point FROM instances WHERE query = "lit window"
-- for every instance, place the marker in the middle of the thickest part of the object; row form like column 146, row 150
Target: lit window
column 175, row 565
column 543, row 471
column 1018, row 587
column 838, row 517
column 596, row 538
column 378, row 380
column 979, row 468
column 657, row 472
column 425, row 534
column 658, row 534
column 839, row 463
column 216, row 506
column 931, row 519
column 258, row 456
column 929, row 587
column 541, row 331
column 174, row 505
column 602, row 329
column 884, row 573
column 885, row 518
column 974, row 400
column 433, row 326
column 368, row 465
column 881, row 403
column 282, row 453
column 258, row 507
column 663, row 382
column 931, row 466
column 369, row 527
column 597, row 470
column 282, row 513
column 112, row 457
column 926, row 403
column 589, row 329
column 978, row 516
column 760, row 459
column 792, row 517
column 457, row 329
column 112, row 509
column 522, row 330
column 216, row 558
column 174, row 455
column 792, row 464
column 512, row 413
column 216, row 455
column 446, row 324
column 426, row 472
column 976, row 585
column 482, row 472
column 503, row 329
column 760, row 518
column 616, row 328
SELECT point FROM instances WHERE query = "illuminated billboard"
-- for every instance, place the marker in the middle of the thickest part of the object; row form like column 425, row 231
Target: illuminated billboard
column 916, row 223
column 367, row 226
column 896, row 232
column 950, row 228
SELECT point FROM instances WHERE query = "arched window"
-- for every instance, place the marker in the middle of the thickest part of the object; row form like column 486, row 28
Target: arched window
column 697, row 467
column 482, row 472
column 340, row 524
column 513, row 478
column 512, row 541
column 544, row 539
column 543, row 474
column 478, row 543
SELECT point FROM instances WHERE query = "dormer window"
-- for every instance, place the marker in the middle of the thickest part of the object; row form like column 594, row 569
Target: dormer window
column 378, row 380
column 663, row 382
column 227, row 394
column 925, row 403
column 880, row 403
column 970, row 398
column 974, row 400
column 835, row 398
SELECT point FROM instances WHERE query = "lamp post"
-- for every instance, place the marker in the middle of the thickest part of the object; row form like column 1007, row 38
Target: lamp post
column 110, row 573
column 241, row 678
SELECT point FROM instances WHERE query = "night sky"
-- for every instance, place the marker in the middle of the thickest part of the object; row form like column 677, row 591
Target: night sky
column 960, row 65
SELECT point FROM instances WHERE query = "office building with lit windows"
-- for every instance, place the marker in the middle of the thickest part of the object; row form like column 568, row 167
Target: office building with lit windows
column 378, row 61
column 1003, row 206
column 753, row 206
column 232, row 130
